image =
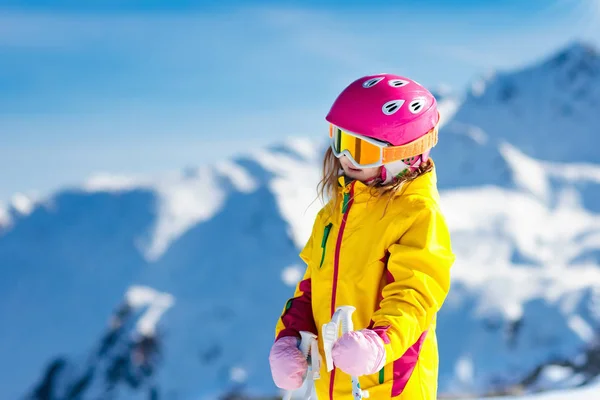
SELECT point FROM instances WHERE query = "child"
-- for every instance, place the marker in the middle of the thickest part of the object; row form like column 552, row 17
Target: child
column 380, row 244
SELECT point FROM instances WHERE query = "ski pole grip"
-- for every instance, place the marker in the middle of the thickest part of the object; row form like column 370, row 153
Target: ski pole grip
column 347, row 325
column 306, row 339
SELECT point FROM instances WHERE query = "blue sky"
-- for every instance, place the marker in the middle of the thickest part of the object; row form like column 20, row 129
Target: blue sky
column 141, row 86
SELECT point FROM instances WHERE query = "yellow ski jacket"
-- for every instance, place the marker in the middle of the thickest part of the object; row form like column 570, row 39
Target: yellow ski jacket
column 393, row 265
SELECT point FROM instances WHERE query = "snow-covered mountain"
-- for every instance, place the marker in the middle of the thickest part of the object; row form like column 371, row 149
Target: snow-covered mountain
column 221, row 241
column 170, row 286
column 547, row 110
column 521, row 187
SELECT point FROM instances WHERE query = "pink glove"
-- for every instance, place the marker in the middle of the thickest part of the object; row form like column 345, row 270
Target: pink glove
column 359, row 353
column 288, row 364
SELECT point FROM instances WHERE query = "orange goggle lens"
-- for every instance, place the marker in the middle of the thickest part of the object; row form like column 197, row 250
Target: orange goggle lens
column 363, row 152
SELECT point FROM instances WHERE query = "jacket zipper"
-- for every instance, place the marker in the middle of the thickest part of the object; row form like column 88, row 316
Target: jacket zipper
column 348, row 200
column 324, row 243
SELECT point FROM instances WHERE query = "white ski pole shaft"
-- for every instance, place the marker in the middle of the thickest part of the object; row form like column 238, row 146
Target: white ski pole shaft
column 288, row 395
column 348, row 326
column 306, row 346
column 306, row 339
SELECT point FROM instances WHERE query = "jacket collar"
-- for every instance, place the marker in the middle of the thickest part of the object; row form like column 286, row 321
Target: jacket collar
column 425, row 184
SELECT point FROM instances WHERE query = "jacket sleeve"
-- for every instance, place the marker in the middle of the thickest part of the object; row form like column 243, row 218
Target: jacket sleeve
column 418, row 281
column 297, row 314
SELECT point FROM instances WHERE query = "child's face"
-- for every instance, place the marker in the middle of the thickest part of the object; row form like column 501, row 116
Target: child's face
column 362, row 174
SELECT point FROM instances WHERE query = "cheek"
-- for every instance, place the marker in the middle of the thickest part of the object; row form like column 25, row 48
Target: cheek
column 373, row 172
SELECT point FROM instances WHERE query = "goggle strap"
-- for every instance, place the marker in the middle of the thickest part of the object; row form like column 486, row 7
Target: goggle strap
column 414, row 148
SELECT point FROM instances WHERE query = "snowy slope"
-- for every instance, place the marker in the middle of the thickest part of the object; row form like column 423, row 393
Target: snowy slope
column 587, row 393
column 172, row 284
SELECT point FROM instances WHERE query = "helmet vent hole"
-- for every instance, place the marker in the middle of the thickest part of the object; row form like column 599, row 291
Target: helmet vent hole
column 391, row 107
column 397, row 83
column 372, row 82
column 416, row 106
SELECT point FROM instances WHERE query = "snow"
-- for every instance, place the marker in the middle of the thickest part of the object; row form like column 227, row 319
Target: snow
column 581, row 327
column 447, row 106
column 443, row 90
column 304, row 147
column 183, row 202
column 186, row 200
column 294, row 185
column 183, row 199
column 595, row 302
column 473, row 132
column 238, row 176
column 575, row 172
column 556, row 373
column 157, row 303
column 464, row 369
column 104, row 182
column 547, row 235
column 478, row 87
column 22, row 204
column 5, row 219
column 527, row 173
column 546, row 110
column 292, row 275
column 586, row 393
column 238, row 374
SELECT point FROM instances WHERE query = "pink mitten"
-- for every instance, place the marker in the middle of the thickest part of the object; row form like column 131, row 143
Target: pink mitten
column 359, row 353
column 288, row 364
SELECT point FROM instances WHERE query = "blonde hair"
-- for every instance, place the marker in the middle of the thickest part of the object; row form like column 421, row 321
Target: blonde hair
column 327, row 187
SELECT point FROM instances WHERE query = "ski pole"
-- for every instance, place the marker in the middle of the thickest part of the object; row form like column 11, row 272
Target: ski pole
column 330, row 334
column 308, row 345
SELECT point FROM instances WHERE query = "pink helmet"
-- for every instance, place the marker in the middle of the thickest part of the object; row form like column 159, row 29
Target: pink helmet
column 386, row 107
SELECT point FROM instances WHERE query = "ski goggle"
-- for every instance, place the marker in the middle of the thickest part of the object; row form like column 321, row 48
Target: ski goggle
column 365, row 152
